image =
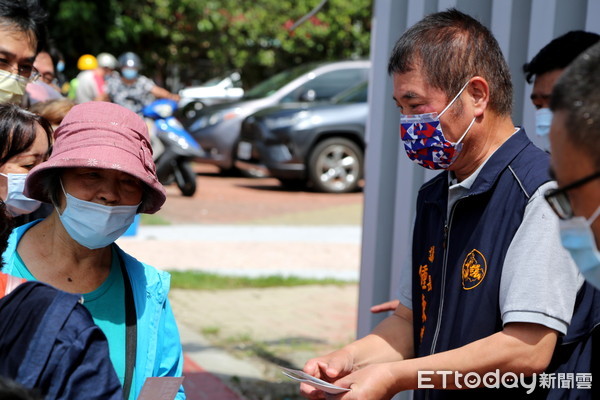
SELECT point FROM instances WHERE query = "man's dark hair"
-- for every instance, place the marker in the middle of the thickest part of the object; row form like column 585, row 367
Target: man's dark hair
column 18, row 130
column 452, row 47
column 576, row 94
column 26, row 16
column 559, row 53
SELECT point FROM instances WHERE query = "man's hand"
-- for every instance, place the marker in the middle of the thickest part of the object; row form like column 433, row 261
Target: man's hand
column 383, row 307
column 328, row 368
column 374, row 382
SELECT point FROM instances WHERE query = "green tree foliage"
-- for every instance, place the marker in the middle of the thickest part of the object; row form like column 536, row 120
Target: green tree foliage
column 198, row 39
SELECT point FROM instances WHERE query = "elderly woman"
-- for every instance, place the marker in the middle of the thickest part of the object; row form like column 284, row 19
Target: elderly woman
column 99, row 176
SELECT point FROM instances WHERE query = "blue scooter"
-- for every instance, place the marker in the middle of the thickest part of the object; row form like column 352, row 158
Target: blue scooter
column 173, row 147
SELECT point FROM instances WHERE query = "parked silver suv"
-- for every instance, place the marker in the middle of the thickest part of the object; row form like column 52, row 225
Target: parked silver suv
column 217, row 128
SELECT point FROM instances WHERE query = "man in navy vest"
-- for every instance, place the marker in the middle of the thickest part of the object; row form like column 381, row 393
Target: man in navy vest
column 490, row 293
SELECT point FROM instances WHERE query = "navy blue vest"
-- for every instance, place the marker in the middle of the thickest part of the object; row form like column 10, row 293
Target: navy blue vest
column 458, row 258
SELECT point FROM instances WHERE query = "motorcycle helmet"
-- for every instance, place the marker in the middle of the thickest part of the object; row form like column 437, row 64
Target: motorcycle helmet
column 130, row 60
column 107, row 60
column 87, row 61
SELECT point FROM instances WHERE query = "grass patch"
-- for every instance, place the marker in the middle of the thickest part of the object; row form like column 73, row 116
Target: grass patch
column 153, row 219
column 211, row 330
column 209, row 281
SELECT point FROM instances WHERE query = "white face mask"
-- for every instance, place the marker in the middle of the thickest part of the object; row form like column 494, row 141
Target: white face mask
column 95, row 225
column 577, row 237
column 16, row 202
column 12, row 87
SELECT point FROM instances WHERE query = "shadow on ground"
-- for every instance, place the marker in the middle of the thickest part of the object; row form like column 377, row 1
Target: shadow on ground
column 269, row 356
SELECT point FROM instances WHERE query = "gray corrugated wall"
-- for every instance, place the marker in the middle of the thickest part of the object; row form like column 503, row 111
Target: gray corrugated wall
column 522, row 27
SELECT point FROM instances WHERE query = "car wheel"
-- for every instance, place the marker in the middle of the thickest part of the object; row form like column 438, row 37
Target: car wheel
column 335, row 166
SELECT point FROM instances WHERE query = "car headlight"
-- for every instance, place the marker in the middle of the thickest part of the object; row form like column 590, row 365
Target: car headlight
column 288, row 120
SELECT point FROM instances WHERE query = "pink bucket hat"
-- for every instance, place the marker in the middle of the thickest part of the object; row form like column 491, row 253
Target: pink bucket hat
column 99, row 134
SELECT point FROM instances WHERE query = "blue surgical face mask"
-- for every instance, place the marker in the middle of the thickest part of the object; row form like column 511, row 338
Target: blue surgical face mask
column 543, row 120
column 577, row 237
column 95, row 225
column 129, row 73
column 16, row 202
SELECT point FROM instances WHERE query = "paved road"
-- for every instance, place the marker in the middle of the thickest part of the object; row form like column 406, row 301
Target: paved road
column 248, row 226
column 305, row 251
column 236, row 200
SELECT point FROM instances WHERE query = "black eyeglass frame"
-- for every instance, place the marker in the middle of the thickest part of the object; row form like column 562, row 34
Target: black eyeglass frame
column 559, row 199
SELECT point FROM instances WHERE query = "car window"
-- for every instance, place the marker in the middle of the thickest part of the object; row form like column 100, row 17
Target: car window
column 276, row 82
column 327, row 85
column 356, row 94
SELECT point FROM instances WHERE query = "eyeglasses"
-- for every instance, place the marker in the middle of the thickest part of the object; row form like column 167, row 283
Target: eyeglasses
column 47, row 77
column 26, row 71
column 559, row 198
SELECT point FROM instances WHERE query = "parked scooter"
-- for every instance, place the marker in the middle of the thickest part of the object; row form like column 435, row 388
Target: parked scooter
column 173, row 147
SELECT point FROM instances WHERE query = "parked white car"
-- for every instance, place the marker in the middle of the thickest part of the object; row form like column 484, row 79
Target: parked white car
column 221, row 89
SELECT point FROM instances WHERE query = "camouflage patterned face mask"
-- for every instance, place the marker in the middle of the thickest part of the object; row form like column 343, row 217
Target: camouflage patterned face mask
column 424, row 141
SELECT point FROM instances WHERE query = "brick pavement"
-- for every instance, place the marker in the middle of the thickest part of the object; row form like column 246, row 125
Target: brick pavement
column 200, row 384
column 324, row 314
column 290, row 324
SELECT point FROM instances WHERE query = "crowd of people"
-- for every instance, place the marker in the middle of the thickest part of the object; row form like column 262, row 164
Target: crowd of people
column 100, row 78
column 79, row 317
column 504, row 271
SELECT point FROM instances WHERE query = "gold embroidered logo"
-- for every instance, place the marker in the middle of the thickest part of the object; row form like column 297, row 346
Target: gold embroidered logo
column 473, row 270
column 425, row 277
column 426, row 286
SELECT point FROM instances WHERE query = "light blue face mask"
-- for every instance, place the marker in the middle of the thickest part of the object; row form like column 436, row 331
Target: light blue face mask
column 95, row 225
column 577, row 237
column 129, row 73
column 16, row 202
column 543, row 120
